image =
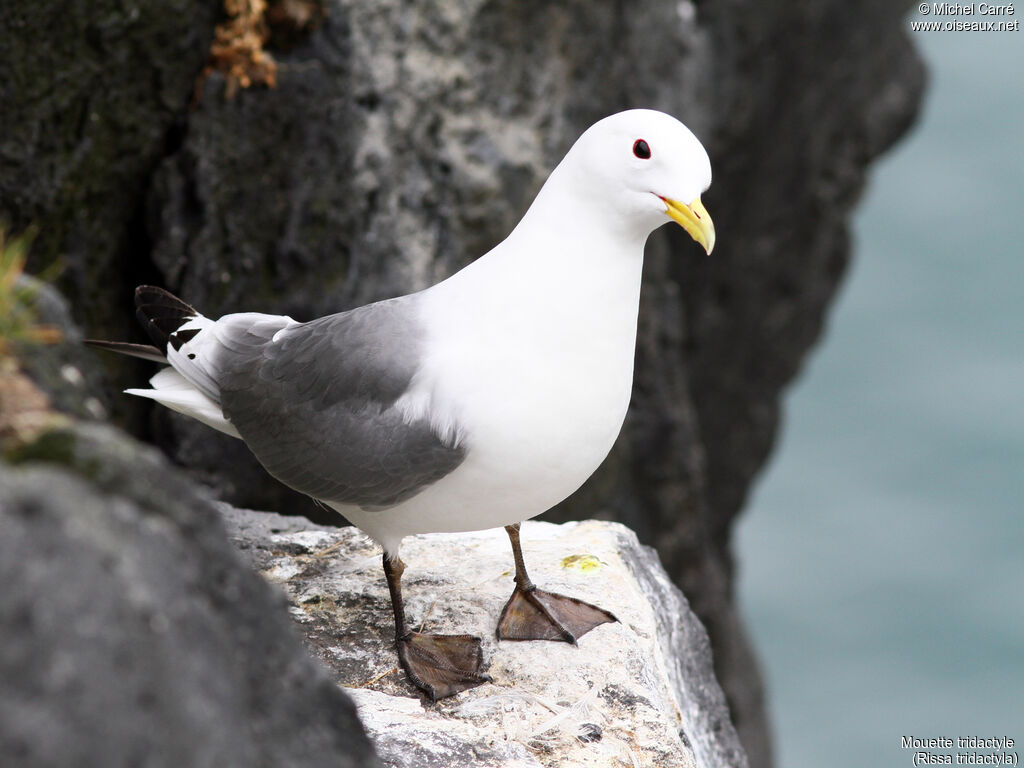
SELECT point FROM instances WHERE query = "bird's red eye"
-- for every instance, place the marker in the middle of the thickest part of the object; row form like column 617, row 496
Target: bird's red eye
column 641, row 150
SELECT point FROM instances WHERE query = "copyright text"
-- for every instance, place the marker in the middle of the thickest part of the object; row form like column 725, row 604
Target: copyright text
column 966, row 17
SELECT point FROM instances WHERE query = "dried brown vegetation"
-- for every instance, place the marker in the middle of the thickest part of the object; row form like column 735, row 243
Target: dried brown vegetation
column 239, row 46
column 24, row 409
column 17, row 317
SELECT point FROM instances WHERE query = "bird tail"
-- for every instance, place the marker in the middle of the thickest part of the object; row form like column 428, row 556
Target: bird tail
column 177, row 333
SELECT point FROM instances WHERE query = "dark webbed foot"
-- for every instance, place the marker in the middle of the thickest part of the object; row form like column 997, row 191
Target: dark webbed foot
column 439, row 665
column 533, row 614
column 442, row 665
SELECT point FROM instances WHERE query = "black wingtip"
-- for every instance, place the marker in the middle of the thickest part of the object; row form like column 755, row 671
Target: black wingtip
column 161, row 313
column 143, row 351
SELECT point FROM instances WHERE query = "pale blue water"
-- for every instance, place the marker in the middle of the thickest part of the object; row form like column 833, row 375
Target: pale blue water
column 882, row 553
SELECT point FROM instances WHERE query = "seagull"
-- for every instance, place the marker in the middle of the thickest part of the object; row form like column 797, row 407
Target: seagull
column 479, row 402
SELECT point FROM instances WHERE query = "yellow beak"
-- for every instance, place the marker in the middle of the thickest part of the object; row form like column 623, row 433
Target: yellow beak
column 694, row 219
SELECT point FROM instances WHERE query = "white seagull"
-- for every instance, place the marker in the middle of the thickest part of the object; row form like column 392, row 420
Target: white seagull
column 479, row 402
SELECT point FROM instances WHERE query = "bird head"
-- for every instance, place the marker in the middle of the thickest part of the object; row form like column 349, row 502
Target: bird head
column 644, row 167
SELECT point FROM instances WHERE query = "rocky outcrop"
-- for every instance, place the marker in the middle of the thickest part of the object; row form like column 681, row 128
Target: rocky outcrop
column 404, row 140
column 641, row 691
column 133, row 633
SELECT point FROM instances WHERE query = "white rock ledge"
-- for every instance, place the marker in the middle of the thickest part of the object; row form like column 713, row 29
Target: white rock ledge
column 640, row 692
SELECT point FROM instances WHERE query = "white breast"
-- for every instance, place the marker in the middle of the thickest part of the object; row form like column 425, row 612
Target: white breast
column 538, row 377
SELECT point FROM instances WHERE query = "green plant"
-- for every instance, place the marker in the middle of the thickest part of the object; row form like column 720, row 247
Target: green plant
column 17, row 311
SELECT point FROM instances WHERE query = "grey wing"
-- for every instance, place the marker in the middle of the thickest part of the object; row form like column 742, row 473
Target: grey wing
column 316, row 405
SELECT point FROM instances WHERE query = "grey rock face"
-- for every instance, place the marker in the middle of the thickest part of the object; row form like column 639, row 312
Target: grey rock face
column 403, row 140
column 642, row 689
column 134, row 634
column 93, row 94
column 90, row 93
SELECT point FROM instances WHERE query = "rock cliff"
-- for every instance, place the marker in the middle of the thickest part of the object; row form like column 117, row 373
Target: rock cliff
column 401, row 141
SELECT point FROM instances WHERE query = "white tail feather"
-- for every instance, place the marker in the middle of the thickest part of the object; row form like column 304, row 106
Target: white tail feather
column 193, row 360
column 173, row 390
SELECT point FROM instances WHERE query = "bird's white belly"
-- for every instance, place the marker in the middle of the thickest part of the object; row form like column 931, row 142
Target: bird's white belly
column 534, row 376
column 534, row 432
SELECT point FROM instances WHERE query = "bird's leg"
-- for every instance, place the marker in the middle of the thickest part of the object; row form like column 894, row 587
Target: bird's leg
column 439, row 665
column 533, row 614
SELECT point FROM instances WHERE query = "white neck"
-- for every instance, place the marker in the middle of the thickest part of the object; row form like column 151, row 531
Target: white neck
column 565, row 252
